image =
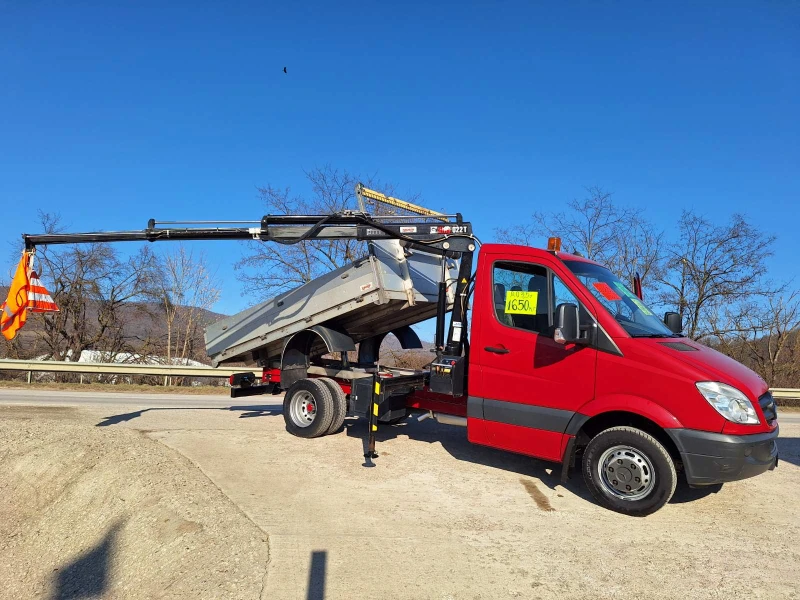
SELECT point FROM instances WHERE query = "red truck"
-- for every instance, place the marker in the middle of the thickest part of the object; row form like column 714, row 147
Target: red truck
column 589, row 376
column 558, row 359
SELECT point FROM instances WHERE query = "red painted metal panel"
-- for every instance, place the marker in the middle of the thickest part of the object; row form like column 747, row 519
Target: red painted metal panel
column 427, row 400
column 476, row 432
column 523, row 440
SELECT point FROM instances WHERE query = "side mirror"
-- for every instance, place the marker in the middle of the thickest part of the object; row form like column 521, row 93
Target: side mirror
column 673, row 322
column 567, row 331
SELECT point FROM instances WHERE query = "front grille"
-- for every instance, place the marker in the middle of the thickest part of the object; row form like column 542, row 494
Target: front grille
column 767, row 404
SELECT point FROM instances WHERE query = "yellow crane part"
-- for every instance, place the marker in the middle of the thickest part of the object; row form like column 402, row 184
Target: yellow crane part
column 365, row 192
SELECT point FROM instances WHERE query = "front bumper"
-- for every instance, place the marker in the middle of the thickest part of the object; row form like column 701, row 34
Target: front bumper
column 710, row 458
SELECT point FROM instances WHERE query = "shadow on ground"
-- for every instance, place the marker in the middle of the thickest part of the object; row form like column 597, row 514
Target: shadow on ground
column 683, row 493
column 454, row 441
column 255, row 410
column 789, row 450
column 316, row 575
column 88, row 575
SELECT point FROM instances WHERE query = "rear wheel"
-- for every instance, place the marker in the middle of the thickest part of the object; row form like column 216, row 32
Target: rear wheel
column 339, row 404
column 308, row 408
column 629, row 471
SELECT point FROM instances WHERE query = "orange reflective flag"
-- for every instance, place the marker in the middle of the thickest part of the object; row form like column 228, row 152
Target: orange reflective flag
column 26, row 293
column 39, row 299
column 13, row 310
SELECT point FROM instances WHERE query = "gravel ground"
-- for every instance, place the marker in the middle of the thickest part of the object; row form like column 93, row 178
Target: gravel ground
column 88, row 512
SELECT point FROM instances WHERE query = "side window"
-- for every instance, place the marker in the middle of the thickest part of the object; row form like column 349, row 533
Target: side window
column 521, row 296
column 563, row 295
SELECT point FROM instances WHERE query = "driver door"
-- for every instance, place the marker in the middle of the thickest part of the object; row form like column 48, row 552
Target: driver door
column 529, row 385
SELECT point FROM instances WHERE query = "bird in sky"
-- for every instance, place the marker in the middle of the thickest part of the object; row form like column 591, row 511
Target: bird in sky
column 284, row 69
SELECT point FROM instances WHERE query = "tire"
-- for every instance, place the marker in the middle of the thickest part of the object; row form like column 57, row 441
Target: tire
column 640, row 460
column 308, row 408
column 339, row 404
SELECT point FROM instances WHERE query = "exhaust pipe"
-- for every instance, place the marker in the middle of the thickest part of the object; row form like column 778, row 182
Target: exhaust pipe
column 444, row 419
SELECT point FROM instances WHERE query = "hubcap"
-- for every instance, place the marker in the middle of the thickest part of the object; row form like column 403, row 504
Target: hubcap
column 626, row 473
column 303, row 409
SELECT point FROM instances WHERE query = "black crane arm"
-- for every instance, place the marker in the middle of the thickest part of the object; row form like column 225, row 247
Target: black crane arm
column 438, row 237
column 440, row 234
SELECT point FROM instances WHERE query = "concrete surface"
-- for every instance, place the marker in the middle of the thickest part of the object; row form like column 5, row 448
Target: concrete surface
column 439, row 518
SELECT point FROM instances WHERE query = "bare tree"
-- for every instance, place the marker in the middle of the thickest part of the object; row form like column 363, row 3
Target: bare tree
column 763, row 334
column 712, row 267
column 187, row 291
column 715, row 275
column 595, row 227
column 94, row 288
column 270, row 269
column 637, row 249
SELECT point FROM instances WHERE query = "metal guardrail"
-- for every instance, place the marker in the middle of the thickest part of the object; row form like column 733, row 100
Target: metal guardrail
column 55, row 366
column 785, row 393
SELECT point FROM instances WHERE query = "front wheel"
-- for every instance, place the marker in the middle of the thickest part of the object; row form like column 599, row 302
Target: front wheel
column 629, row 471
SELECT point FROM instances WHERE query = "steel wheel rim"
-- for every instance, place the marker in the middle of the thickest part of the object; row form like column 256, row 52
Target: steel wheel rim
column 303, row 409
column 626, row 473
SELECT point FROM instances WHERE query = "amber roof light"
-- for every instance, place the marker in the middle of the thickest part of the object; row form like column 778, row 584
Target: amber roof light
column 554, row 244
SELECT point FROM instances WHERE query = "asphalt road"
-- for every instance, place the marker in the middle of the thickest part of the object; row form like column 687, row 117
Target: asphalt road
column 441, row 518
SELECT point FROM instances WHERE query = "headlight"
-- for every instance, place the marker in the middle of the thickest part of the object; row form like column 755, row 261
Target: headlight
column 729, row 402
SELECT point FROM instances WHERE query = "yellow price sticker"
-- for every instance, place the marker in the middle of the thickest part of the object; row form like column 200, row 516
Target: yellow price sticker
column 521, row 303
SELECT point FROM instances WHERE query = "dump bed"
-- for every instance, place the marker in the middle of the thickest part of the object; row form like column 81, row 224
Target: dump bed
column 389, row 288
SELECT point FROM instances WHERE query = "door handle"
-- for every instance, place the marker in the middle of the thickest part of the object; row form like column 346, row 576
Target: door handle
column 497, row 350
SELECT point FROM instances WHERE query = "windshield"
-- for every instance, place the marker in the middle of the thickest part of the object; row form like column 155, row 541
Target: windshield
column 630, row 312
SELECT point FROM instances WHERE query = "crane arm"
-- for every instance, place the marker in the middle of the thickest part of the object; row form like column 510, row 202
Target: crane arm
column 438, row 237
column 444, row 235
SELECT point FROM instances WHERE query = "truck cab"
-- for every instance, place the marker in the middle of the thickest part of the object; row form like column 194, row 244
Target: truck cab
column 567, row 363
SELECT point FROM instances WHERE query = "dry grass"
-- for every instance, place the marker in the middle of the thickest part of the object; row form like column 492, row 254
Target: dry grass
column 106, row 388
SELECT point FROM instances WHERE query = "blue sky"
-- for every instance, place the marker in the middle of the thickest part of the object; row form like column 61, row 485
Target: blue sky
column 113, row 113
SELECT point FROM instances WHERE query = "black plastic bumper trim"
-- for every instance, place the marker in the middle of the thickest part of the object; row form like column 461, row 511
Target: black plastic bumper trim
column 711, row 458
column 474, row 407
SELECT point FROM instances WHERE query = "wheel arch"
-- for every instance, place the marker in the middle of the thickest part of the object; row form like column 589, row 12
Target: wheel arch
column 584, row 428
column 628, row 404
column 301, row 346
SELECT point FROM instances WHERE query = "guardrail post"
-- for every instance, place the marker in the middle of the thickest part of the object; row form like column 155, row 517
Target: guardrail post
column 29, row 377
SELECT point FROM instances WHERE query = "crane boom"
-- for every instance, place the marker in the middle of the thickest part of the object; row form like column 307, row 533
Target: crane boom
column 454, row 235
column 445, row 235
